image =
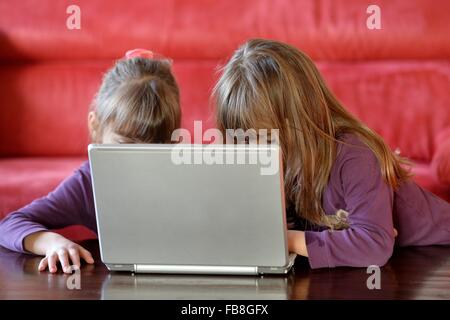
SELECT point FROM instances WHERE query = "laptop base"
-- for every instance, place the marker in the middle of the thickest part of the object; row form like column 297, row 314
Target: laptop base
column 193, row 269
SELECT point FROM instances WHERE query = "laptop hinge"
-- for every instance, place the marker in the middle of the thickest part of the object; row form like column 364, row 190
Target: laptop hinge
column 279, row 270
column 192, row 269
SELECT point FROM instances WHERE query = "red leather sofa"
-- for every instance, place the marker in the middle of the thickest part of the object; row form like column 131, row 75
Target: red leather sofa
column 396, row 79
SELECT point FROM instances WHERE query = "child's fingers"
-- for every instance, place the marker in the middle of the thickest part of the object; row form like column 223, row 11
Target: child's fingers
column 52, row 258
column 74, row 256
column 86, row 255
column 43, row 264
column 64, row 259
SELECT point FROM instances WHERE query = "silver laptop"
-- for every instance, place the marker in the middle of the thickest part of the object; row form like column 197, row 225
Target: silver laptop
column 194, row 209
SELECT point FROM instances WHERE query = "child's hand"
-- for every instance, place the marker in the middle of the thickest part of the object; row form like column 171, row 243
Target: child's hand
column 297, row 243
column 56, row 249
column 67, row 253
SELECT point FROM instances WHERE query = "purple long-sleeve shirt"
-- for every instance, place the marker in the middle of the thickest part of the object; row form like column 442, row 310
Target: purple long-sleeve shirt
column 356, row 186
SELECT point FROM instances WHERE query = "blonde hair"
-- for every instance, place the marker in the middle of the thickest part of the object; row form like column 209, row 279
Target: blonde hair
column 139, row 100
column 268, row 84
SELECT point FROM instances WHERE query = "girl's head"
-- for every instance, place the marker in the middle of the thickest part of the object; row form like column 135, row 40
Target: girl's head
column 138, row 102
column 272, row 85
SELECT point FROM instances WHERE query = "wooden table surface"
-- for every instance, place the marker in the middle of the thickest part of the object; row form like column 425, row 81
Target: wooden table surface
column 412, row 273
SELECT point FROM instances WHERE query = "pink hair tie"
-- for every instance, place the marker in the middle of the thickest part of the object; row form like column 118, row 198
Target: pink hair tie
column 140, row 53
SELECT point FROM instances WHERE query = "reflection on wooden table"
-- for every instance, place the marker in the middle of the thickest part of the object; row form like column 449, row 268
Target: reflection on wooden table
column 412, row 273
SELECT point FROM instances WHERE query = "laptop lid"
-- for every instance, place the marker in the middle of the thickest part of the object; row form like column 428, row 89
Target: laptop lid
column 155, row 207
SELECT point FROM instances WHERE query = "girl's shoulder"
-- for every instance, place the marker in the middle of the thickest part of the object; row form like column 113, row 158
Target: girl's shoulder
column 80, row 175
column 85, row 167
column 349, row 145
column 354, row 158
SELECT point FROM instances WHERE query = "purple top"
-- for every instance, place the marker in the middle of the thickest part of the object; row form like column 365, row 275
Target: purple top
column 356, row 185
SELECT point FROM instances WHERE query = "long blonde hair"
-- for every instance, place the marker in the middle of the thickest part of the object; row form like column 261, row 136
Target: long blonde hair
column 272, row 85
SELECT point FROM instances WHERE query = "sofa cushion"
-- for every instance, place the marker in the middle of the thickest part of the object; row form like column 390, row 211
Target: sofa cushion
column 46, row 104
column 425, row 177
column 207, row 29
column 441, row 159
column 25, row 179
column 406, row 102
